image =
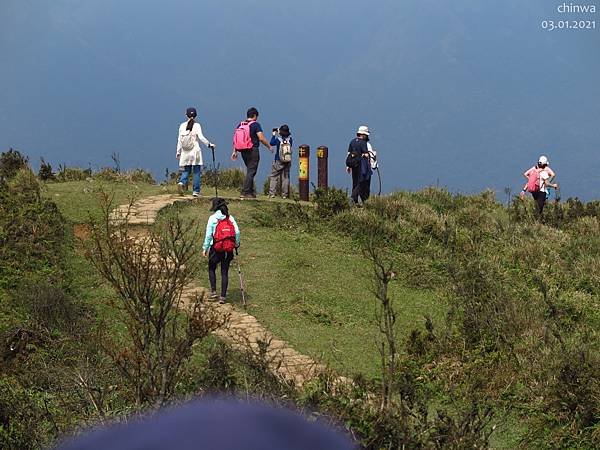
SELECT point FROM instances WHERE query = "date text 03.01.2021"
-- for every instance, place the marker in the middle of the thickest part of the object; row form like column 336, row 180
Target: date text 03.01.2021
column 551, row 25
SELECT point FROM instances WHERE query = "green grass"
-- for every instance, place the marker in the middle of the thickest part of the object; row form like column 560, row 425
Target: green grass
column 314, row 291
column 508, row 433
column 77, row 199
column 90, row 288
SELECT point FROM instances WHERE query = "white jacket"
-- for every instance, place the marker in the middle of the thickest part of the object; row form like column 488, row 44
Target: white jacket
column 372, row 157
column 192, row 157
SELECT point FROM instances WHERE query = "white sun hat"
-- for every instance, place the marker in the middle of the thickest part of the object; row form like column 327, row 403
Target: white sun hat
column 543, row 160
column 363, row 129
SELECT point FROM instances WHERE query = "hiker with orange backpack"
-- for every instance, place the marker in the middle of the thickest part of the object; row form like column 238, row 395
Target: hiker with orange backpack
column 539, row 179
column 221, row 239
column 247, row 138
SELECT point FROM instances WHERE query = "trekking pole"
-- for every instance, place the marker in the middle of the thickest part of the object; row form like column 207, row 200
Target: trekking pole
column 242, row 289
column 216, row 171
column 374, row 164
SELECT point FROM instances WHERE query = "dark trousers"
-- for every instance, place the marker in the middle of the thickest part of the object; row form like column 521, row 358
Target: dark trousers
column 251, row 159
column 540, row 201
column 215, row 258
column 360, row 189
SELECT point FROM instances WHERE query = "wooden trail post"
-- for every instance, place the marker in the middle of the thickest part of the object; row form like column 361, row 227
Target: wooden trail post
column 303, row 171
column 322, row 154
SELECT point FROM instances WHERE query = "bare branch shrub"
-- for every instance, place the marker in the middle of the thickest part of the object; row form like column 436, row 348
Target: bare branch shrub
column 383, row 273
column 149, row 272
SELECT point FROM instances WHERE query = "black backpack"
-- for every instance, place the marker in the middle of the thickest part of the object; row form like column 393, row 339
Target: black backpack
column 355, row 151
column 353, row 160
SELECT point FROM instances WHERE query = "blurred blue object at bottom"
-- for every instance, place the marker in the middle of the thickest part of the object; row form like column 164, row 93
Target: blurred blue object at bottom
column 215, row 424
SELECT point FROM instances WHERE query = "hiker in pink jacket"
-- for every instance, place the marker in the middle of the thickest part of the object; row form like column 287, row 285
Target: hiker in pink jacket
column 539, row 179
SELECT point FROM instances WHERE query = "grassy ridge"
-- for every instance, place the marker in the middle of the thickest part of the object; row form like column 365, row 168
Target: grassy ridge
column 514, row 301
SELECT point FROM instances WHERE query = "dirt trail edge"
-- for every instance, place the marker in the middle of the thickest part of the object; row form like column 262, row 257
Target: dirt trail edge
column 242, row 330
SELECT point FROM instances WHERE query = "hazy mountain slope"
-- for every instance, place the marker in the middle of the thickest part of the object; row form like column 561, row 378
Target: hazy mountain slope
column 467, row 93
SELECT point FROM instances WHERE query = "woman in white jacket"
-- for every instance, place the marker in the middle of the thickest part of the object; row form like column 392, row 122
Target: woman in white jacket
column 188, row 151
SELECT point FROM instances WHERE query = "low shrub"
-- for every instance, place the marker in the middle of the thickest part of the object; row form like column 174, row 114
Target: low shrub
column 412, row 420
column 556, row 214
column 32, row 232
column 50, row 308
column 129, row 176
column 45, row 173
column 439, row 199
column 10, row 163
column 24, row 423
column 108, row 174
column 566, row 389
column 363, row 224
column 242, row 373
column 232, row 178
column 218, row 370
column 283, row 215
column 267, row 187
column 72, row 174
column 330, row 202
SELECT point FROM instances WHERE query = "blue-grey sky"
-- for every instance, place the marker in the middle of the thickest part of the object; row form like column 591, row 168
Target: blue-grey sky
column 464, row 93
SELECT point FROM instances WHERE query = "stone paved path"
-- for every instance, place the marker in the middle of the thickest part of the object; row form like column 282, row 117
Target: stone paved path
column 242, row 330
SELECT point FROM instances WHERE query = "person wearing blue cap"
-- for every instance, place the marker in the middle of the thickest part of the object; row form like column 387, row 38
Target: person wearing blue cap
column 188, row 152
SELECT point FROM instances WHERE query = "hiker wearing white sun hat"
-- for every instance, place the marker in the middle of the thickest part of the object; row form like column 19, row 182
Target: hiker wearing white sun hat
column 358, row 162
column 364, row 130
column 539, row 179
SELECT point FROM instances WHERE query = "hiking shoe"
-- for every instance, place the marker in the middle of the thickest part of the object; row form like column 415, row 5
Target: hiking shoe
column 247, row 196
column 271, row 195
column 213, row 295
column 222, row 300
column 195, row 194
column 180, row 188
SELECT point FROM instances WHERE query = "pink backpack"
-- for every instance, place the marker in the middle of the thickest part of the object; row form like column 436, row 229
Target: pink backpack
column 533, row 181
column 241, row 136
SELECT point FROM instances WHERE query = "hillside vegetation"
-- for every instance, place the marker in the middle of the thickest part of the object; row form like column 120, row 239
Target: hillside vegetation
column 463, row 323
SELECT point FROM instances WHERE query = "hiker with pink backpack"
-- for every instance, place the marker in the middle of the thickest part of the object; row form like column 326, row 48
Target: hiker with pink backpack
column 539, row 179
column 247, row 138
column 221, row 239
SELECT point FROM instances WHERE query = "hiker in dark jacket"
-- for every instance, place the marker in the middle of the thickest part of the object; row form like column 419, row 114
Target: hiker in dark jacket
column 358, row 163
column 219, row 206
